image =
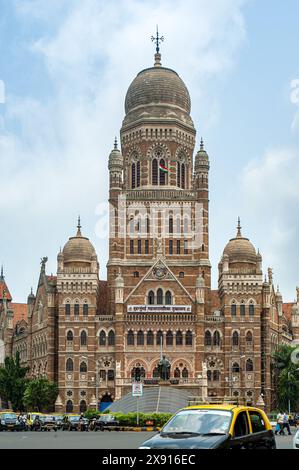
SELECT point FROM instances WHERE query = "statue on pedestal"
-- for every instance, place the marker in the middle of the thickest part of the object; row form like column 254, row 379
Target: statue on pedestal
column 164, row 368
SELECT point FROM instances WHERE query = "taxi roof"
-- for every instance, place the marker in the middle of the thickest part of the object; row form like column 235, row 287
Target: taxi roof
column 224, row 406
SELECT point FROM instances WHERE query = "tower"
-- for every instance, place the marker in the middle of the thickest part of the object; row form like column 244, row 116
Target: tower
column 159, row 238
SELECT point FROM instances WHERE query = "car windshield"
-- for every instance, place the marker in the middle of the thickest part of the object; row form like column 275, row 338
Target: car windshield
column 107, row 418
column 74, row 418
column 199, row 421
column 50, row 418
column 9, row 416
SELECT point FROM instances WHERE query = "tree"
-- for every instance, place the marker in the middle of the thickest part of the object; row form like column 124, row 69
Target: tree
column 13, row 382
column 40, row 394
column 286, row 377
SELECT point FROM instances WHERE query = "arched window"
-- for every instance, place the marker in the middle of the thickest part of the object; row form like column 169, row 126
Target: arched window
column 170, row 225
column 208, row 338
column 235, row 338
column 242, row 310
column 159, row 297
column 83, row 367
column 216, row 375
column 251, row 310
column 69, row 365
column 85, row 310
column 249, row 365
column 177, row 373
column 150, row 338
column 151, row 298
column 138, row 175
column 67, row 309
column 83, row 406
column 168, row 298
column 69, row 336
column 249, row 337
column 133, row 175
column 159, row 338
column 185, row 373
column 179, row 338
column 189, row 338
column 178, row 173
column 130, row 338
column 155, row 172
column 183, row 176
column 83, row 338
column 156, row 373
column 76, row 309
column 162, row 173
column 233, row 310
column 69, row 406
column 235, row 367
column 209, row 375
column 216, row 338
column 169, row 338
column 111, row 338
column 140, row 338
column 102, row 338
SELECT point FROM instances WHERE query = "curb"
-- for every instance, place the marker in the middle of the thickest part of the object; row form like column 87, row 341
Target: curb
column 136, row 429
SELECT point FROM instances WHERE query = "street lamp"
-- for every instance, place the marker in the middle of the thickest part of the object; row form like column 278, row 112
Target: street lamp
column 289, row 401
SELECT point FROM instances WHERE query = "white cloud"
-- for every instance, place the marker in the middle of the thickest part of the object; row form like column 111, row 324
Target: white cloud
column 54, row 150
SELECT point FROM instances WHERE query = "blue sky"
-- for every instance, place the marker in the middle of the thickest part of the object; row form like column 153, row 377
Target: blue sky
column 66, row 66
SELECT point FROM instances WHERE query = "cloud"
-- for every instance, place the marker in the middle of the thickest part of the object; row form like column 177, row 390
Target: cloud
column 54, row 148
column 269, row 196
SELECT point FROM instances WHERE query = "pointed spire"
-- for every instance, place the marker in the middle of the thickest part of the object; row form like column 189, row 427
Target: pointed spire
column 79, row 227
column 2, row 275
column 115, row 144
column 239, row 235
column 202, row 147
column 157, row 39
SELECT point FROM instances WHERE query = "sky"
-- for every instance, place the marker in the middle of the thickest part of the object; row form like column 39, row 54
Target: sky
column 65, row 67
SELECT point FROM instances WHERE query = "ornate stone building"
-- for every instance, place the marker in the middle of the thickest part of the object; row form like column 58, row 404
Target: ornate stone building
column 92, row 337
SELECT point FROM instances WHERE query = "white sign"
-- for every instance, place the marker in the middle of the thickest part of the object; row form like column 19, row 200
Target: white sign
column 137, row 389
column 159, row 308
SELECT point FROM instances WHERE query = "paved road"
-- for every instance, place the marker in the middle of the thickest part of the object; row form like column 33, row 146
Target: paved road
column 90, row 440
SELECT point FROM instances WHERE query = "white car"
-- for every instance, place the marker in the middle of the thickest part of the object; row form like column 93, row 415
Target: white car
column 296, row 440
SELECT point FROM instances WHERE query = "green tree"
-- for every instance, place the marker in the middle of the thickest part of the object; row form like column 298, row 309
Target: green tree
column 40, row 394
column 13, row 382
column 286, row 377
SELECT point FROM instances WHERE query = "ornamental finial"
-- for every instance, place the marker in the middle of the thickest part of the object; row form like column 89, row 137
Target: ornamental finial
column 157, row 39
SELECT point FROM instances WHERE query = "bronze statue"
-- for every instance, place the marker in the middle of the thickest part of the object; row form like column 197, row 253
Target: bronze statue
column 164, row 368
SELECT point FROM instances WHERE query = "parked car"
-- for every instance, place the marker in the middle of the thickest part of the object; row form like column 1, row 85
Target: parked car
column 294, row 419
column 58, row 420
column 9, row 421
column 104, row 422
column 31, row 418
column 215, row 427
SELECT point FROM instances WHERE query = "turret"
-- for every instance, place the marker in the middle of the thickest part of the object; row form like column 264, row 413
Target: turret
column 115, row 166
column 201, row 168
column 30, row 303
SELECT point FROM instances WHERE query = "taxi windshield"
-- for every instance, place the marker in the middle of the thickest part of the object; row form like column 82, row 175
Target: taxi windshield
column 9, row 416
column 199, row 421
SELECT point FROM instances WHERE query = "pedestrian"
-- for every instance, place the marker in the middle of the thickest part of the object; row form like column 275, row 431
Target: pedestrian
column 286, row 423
column 280, row 424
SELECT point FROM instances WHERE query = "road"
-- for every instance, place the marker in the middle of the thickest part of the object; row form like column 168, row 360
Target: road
column 90, row 440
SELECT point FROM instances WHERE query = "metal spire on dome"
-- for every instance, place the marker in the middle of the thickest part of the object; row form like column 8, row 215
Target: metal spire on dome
column 115, row 144
column 202, row 147
column 79, row 227
column 2, row 275
column 239, row 235
column 157, row 39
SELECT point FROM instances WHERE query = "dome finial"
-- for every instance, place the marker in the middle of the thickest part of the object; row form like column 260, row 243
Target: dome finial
column 79, row 227
column 202, row 147
column 2, row 275
column 239, row 235
column 158, row 39
column 115, row 144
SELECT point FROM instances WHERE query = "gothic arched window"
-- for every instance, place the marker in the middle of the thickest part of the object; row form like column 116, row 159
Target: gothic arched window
column 140, row 338
column 177, row 373
column 208, row 338
column 159, row 297
column 162, row 173
column 178, row 173
column 83, row 367
column 69, row 336
column 150, row 338
column 83, row 338
column 138, row 174
column 69, row 406
column 216, row 338
column 249, row 337
column 235, row 338
column 169, row 338
column 133, row 175
column 179, row 338
column 185, row 373
column 69, row 365
column 111, row 338
column 183, row 184
column 130, row 338
column 102, row 338
column 168, row 298
column 159, row 338
column 155, row 171
column 151, row 298
column 249, row 365
column 189, row 338
column 235, row 367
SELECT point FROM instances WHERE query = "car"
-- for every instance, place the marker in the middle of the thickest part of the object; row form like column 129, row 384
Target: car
column 215, row 427
column 294, row 419
column 59, row 420
column 296, row 440
column 48, row 423
column 30, row 419
column 104, row 422
column 9, row 421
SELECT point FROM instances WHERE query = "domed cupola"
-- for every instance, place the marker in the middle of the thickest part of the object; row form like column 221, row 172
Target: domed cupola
column 240, row 249
column 157, row 93
column 115, row 161
column 78, row 251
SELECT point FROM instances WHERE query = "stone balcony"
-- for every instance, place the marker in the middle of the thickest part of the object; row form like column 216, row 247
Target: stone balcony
column 161, row 194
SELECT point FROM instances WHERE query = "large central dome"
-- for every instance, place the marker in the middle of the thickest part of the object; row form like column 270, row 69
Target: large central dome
column 158, row 93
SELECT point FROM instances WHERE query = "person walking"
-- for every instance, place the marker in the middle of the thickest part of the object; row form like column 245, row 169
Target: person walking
column 286, row 423
column 279, row 427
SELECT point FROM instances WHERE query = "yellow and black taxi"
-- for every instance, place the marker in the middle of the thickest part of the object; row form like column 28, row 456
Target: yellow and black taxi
column 9, row 421
column 215, row 427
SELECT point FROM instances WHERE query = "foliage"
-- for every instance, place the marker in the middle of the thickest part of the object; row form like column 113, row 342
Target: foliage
column 130, row 419
column 40, row 394
column 13, row 382
column 286, row 377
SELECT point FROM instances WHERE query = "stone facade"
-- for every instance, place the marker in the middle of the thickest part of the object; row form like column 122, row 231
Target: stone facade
column 92, row 337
